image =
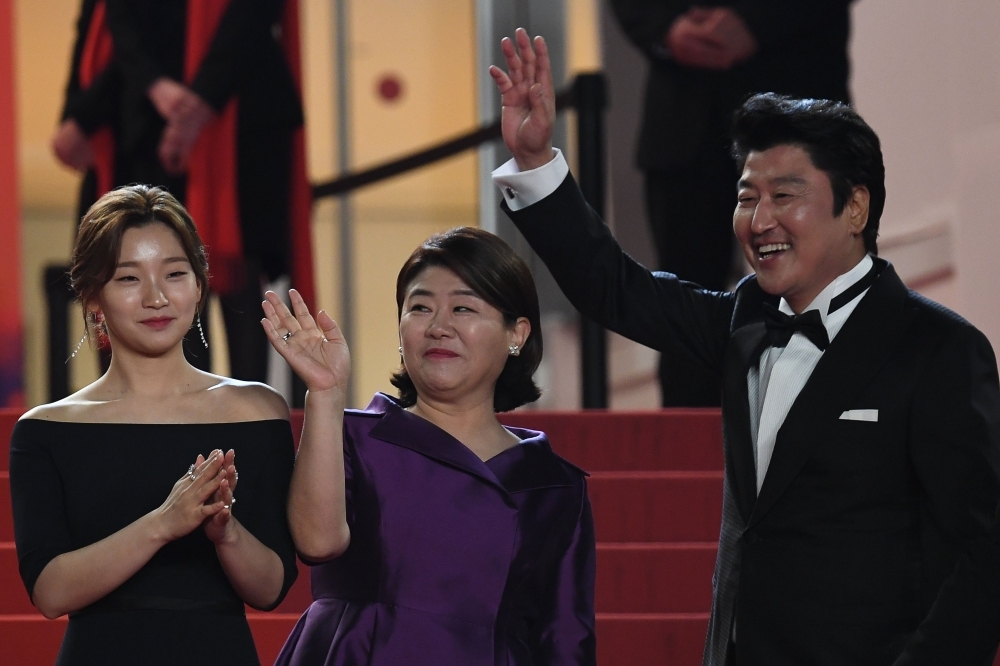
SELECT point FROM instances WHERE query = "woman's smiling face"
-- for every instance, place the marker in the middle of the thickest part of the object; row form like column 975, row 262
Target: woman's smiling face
column 151, row 300
column 455, row 344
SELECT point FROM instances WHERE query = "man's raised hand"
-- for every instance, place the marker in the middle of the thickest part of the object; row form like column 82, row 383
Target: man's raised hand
column 529, row 101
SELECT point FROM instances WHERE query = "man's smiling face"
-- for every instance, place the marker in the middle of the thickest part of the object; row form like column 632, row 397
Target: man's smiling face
column 785, row 223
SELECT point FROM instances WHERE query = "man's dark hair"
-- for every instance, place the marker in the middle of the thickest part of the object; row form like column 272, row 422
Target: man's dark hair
column 837, row 140
column 491, row 268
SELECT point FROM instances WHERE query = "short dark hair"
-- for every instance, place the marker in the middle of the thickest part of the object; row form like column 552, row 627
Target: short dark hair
column 492, row 269
column 99, row 239
column 838, row 141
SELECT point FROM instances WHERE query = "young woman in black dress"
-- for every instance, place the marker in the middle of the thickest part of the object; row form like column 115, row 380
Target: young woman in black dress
column 125, row 506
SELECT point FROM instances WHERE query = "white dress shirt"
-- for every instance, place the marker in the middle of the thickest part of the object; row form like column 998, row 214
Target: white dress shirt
column 520, row 189
column 782, row 370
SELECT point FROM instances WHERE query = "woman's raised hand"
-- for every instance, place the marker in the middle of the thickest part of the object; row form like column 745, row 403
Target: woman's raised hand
column 528, row 100
column 185, row 508
column 221, row 527
column 315, row 348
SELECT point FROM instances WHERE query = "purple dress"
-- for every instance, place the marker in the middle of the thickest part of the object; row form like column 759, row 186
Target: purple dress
column 452, row 560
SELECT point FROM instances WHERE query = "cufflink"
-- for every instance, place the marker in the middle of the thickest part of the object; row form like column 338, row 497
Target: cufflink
column 509, row 191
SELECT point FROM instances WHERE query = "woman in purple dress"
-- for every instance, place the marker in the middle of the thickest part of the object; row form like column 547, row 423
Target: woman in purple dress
column 437, row 535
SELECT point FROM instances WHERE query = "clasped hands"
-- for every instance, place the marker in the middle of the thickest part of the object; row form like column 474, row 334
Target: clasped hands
column 186, row 114
column 710, row 38
column 203, row 497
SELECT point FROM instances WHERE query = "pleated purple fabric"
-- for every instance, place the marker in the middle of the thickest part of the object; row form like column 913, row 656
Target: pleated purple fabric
column 452, row 560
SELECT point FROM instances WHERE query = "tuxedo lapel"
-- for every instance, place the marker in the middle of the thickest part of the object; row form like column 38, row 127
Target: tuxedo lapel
column 848, row 365
column 745, row 347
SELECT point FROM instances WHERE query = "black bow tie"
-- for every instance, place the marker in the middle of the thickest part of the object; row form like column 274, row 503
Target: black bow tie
column 781, row 327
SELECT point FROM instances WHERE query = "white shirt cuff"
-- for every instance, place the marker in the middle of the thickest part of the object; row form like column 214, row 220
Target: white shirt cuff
column 520, row 189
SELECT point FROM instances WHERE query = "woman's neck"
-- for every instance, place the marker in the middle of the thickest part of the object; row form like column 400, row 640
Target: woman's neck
column 133, row 374
column 474, row 425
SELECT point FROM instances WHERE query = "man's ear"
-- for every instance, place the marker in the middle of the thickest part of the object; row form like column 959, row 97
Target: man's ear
column 856, row 209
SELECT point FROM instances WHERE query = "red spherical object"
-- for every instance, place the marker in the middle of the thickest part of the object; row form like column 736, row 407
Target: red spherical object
column 389, row 87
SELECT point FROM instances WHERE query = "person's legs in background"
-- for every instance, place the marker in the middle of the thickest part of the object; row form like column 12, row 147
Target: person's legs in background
column 691, row 218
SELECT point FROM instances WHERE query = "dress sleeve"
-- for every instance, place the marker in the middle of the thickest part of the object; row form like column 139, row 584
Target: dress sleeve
column 41, row 526
column 348, row 475
column 567, row 634
column 269, row 519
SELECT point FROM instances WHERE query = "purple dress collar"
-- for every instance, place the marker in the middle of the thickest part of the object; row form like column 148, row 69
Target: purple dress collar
column 529, row 465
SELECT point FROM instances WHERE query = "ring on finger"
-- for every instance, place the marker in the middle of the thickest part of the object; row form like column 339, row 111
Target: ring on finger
column 191, row 472
column 287, row 335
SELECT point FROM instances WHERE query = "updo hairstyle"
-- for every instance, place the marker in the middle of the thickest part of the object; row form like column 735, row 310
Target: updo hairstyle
column 99, row 239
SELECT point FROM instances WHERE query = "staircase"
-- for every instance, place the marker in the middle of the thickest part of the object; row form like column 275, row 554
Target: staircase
column 656, row 490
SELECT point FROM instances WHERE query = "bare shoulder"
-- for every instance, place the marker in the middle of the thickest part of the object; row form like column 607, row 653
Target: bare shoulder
column 250, row 401
column 74, row 408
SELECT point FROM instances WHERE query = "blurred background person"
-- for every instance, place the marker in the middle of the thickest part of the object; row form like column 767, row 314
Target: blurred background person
column 125, row 516
column 201, row 98
column 439, row 535
column 703, row 62
column 90, row 109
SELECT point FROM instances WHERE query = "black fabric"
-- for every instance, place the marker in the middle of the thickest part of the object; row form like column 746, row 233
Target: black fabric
column 802, row 52
column 97, row 105
column 690, row 212
column 73, row 484
column 857, row 524
column 244, row 60
column 963, row 628
column 781, row 327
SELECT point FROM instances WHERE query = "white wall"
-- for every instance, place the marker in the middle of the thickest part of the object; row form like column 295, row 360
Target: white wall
column 927, row 78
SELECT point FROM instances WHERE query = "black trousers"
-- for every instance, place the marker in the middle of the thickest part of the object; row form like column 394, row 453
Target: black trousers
column 690, row 213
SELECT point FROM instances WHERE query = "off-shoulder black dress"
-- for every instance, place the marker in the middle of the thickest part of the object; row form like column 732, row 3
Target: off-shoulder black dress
column 73, row 484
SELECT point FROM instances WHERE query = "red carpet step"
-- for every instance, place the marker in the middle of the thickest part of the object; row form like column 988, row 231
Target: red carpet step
column 656, row 506
column 6, row 517
column 655, row 577
column 597, row 441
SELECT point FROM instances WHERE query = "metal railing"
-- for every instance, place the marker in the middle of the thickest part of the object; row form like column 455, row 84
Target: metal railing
column 587, row 95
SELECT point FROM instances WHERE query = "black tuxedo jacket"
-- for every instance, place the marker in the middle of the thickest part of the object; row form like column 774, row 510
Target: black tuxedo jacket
column 802, row 51
column 963, row 628
column 857, row 523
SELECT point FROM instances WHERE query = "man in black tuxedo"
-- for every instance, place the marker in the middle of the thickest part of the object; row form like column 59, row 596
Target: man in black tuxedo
column 704, row 59
column 861, row 421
